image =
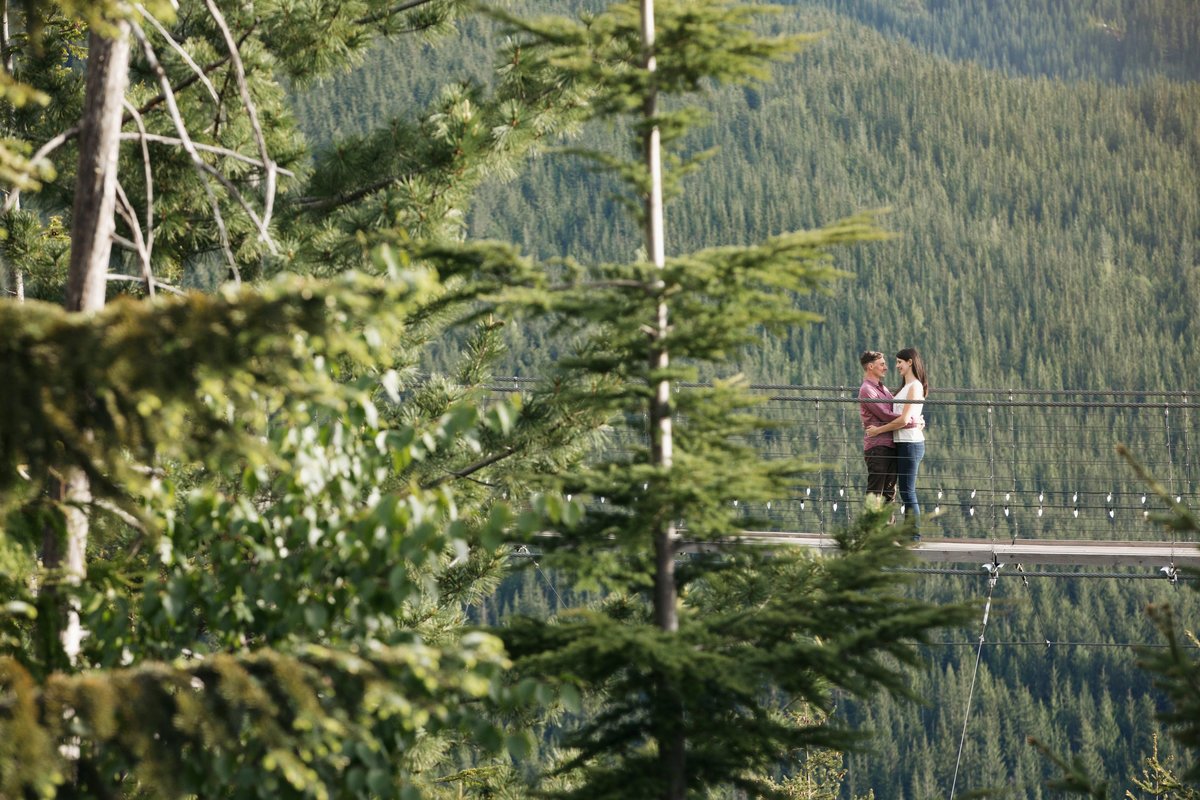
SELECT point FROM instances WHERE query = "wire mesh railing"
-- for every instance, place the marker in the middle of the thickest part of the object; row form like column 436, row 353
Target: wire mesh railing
column 1002, row 464
column 998, row 464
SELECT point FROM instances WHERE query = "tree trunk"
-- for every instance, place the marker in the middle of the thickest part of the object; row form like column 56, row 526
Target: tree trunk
column 671, row 742
column 660, row 408
column 92, row 220
column 16, row 276
column 92, row 227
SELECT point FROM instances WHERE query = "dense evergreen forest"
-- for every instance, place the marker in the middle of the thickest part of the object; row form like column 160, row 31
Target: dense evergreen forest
column 1036, row 220
column 1039, row 165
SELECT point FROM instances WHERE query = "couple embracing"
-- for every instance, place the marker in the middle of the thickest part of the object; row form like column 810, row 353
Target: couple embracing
column 894, row 443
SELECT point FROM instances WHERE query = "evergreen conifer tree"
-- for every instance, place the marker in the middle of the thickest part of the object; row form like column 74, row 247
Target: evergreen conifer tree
column 700, row 635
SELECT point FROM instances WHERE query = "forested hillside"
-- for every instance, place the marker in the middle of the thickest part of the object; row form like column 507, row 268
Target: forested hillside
column 1039, row 165
column 1123, row 41
column 1036, row 220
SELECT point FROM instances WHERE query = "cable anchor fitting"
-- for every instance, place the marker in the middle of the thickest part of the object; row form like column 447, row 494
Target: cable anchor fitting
column 993, row 571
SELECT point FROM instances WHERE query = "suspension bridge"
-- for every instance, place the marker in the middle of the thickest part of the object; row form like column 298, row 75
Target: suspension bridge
column 1009, row 476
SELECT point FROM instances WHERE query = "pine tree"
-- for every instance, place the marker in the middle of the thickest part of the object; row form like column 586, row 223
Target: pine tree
column 687, row 652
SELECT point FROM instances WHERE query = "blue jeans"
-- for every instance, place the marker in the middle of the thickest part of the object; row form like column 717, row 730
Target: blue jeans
column 908, row 459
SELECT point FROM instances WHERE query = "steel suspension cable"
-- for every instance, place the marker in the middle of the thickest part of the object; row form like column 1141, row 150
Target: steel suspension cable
column 821, row 492
column 974, row 674
column 845, row 458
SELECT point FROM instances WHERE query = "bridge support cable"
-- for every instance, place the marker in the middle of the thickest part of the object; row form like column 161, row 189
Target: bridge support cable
column 819, row 505
column 1025, row 575
column 1076, row 553
column 845, row 458
column 523, row 551
column 1049, row 473
column 994, row 573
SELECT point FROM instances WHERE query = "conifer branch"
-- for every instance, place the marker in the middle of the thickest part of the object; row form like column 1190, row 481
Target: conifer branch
column 470, row 468
column 71, row 133
column 138, row 244
column 49, row 147
column 159, row 99
column 615, row 283
column 205, row 148
column 149, row 182
column 239, row 72
column 112, row 276
column 165, row 84
column 187, row 59
column 325, row 203
column 388, row 12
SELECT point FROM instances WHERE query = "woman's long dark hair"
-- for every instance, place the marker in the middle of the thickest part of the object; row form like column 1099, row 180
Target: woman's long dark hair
column 918, row 368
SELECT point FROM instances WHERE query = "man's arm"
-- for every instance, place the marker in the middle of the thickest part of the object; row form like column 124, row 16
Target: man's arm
column 879, row 413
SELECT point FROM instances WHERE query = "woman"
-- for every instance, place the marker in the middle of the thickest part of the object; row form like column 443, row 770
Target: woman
column 910, row 441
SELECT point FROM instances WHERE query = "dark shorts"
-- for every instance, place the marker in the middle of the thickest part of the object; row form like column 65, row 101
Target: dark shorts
column 881, row 471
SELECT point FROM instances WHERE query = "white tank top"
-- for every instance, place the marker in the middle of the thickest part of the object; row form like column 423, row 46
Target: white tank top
column 913, row 390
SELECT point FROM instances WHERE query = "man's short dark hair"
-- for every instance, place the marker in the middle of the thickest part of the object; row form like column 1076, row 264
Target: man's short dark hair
column 869, row 356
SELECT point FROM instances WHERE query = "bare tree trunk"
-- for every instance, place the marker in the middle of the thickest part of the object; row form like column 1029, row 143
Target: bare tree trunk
column 660, row 408
column 671, row 742
column 92, row 227
column 16, row 276
column 92, row 220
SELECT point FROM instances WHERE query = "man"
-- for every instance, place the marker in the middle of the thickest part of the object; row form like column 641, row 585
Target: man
column 878, row 451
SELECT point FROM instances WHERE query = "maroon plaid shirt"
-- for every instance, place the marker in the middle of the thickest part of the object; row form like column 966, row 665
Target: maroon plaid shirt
column 875, row 413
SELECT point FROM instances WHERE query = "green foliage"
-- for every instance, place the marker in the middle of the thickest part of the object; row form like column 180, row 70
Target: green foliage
column 696, row 45
column 1075, row 778
column 1037, row 220
column 1159, row 779
column 287, row 617
column 236, row 215
column 1175, row 669
column 836, row 623
column 1177, row 672
column 813, row 773
column 315, row 723
column 188, row 379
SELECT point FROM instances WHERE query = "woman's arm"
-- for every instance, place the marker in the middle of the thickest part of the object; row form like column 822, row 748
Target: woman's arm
column 906, row 414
